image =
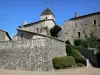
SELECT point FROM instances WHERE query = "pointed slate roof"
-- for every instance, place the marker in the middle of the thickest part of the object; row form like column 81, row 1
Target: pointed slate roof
column 47, row 11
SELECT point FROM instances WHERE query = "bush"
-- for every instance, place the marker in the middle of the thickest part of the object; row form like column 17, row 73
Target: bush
column 80, row 60
column 54, row 31
column 68, row 49
column 77, row 55
column 63, row 62
column 81, row 42
column 77, row 42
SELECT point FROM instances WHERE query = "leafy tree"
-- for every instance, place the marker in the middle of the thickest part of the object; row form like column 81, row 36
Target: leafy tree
column 54, row 31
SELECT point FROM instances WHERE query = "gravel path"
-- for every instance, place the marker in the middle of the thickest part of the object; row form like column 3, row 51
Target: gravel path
column 74, row 71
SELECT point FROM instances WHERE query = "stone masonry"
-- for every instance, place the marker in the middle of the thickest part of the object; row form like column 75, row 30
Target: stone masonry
column 80, row 27
column 30, row 55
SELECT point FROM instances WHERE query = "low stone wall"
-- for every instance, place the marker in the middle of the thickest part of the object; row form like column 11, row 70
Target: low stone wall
column 31, row 55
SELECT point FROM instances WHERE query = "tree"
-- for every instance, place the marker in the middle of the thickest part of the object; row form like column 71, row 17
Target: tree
column 54, row 31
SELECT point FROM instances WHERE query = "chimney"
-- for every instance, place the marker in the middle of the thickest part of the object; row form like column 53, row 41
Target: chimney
column 25, row 22
column 76, row 14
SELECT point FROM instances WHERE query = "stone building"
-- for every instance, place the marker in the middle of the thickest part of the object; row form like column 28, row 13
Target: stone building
column 80, row 27
column 47, row 21
column 4, row 36
column 32, row 48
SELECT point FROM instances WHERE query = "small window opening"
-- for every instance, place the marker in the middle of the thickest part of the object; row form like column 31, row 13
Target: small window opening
column 94, row 22
column 46, row 17
column 79, row 34
column 37, row 30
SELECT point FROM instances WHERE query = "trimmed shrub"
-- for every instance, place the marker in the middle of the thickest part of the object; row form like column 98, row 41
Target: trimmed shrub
column 80, row 60
column 77, row 55
column 63, row 62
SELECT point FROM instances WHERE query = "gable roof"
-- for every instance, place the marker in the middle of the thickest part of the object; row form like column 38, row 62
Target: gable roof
column 84, row 16
column 37, row 23
column 6, row 34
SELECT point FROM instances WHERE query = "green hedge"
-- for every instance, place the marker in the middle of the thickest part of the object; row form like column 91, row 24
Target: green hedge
column 72, row 51
column 63, row 62
column 78, row 56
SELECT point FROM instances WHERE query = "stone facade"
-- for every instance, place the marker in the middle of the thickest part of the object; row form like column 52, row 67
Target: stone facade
column 80, row 27
column 24, row 35
column 47, row 21
column 30, row 55
column 36, row 26
column 47, row 17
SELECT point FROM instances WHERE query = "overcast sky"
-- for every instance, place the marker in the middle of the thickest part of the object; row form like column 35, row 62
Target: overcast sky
column 14, row 12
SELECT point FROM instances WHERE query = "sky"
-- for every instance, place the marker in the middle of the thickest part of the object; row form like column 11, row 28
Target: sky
column 13, row 13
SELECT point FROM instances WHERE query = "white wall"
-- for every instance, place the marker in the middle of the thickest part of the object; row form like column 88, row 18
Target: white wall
column 47, row 17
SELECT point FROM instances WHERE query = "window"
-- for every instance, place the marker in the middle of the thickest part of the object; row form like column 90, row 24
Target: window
column 79, row 34
column 37, row 30
column 46, row 17
column 22, row 35
column 94, row 22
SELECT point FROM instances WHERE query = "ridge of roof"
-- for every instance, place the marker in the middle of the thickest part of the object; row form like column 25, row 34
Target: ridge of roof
column 84, row 16
column 37, row 22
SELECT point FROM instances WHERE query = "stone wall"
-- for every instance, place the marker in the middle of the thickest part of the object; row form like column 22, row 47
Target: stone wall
column 30, row 55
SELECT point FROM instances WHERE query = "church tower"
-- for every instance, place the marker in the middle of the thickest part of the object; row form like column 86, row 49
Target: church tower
column 47, row 14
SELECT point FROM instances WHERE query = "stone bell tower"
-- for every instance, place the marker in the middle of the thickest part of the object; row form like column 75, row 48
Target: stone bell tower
column 47, row 14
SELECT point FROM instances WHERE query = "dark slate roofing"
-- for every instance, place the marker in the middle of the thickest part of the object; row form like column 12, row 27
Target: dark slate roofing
column 6, row 34
column 85, row 16
column 47, row 12
column 36, row 23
